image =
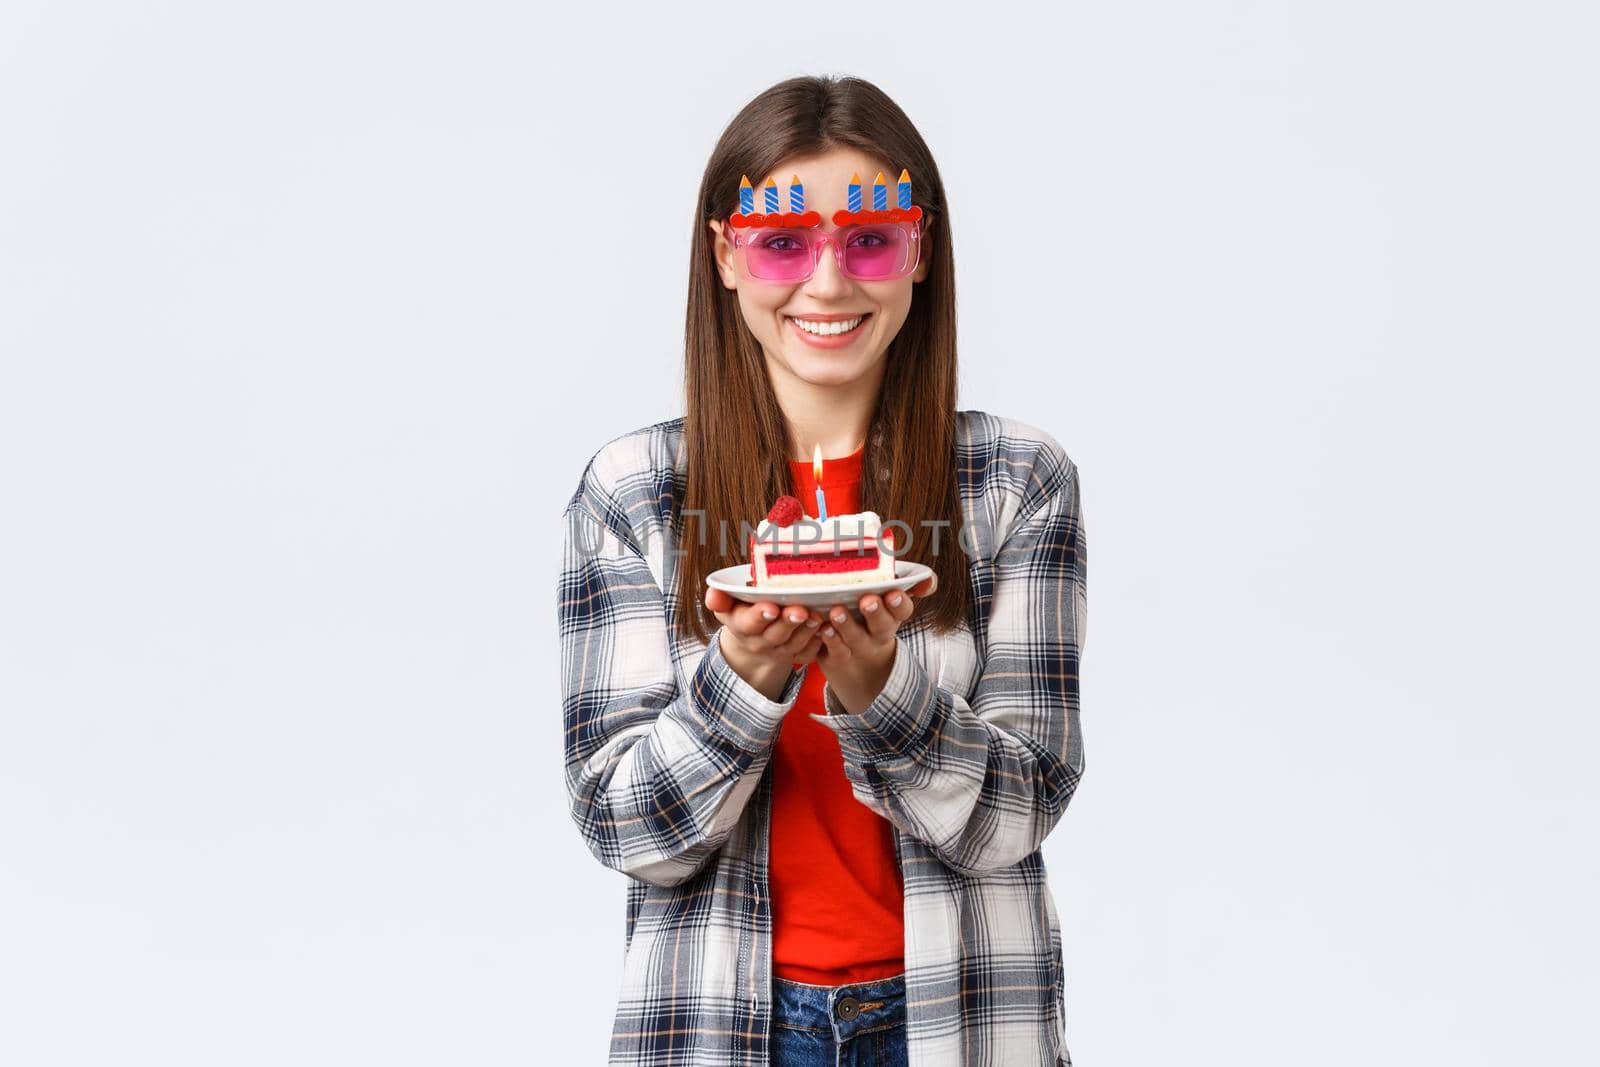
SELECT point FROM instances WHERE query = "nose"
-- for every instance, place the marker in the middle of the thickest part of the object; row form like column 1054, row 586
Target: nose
column 828, row 281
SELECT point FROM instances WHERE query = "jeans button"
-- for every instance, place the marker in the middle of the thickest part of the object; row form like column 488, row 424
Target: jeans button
column 848, row 1008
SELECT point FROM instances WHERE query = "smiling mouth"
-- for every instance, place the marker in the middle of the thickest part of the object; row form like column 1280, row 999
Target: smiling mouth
column 829, row 329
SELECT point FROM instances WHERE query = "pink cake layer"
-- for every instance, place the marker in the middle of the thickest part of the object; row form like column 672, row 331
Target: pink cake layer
column 837, row 560
column 821, row 564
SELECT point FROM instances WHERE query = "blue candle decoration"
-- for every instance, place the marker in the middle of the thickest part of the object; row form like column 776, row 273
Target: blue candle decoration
column 853, row 193
column 903, row 191
column 797, row 195
column 771, row 192
column 816, row 476
column 880, row 193
column 747, row 197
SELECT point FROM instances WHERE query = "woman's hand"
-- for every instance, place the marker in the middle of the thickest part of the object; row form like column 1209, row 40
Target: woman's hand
column 761, row 643
column 858, row 656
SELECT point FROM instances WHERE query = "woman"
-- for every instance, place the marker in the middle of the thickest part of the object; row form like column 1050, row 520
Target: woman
column 831, row 824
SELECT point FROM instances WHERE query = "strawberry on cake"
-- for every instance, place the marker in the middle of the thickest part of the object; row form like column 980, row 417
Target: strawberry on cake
column 790, row 550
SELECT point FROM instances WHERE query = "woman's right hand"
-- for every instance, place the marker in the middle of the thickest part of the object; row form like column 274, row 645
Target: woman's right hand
column 762, row 642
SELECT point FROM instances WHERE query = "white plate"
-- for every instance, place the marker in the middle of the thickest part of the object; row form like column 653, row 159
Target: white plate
column 735, row 581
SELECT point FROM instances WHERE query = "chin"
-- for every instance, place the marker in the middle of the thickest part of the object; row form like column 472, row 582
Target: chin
column 828, row 368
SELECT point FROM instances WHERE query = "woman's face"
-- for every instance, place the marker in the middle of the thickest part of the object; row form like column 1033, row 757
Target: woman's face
column 770, row 310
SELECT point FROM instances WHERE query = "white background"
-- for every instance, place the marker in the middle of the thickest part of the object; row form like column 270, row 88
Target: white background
column 306, row 338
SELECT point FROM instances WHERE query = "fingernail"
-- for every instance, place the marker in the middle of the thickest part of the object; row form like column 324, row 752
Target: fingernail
column 894, row 601
column 812, row 623
column 769, row 615
column 838, row 616
column 871, row 606
column 797, row 618
column 827, row 631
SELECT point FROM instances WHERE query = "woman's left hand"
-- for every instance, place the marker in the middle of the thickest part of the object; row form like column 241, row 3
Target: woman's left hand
column 858, row 655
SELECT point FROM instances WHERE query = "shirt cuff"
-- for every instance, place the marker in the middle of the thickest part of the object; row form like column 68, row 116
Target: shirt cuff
column 735, row 710
column 900, row 722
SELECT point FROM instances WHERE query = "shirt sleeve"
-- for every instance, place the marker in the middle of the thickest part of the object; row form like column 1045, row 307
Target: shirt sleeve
column 657, row 774
column 982, row 784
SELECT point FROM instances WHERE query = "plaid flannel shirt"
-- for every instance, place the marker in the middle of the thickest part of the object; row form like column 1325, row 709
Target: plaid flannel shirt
column 972, row 752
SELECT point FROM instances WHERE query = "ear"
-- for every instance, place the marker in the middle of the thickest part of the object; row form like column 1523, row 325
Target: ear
column 924, row 261
column 722, row 254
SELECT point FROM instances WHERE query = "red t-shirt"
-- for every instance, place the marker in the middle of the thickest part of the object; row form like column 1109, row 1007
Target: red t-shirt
column 837, row 908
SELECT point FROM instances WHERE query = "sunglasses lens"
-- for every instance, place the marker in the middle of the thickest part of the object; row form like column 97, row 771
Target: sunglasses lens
column 874, row 252
column 779, row 255
column 871, row 253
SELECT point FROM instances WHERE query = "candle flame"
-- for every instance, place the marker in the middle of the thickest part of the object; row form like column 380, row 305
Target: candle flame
column 816, row 461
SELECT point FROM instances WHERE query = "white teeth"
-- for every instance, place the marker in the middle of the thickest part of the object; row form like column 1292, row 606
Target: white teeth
column 826, row 328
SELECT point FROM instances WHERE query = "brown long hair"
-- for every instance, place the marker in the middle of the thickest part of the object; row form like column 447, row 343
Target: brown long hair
column 735, row 438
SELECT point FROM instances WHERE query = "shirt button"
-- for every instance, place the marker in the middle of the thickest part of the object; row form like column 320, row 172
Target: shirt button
column 848, row 1008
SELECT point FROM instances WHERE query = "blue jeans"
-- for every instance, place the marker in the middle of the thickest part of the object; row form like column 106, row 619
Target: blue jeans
column 858, row 1025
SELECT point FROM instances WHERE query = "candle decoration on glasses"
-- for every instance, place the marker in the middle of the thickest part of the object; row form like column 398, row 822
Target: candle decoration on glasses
column 903, row 211
column 747, row 217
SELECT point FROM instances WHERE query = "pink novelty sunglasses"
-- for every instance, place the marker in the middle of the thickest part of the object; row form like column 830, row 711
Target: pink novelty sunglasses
column 865, row 252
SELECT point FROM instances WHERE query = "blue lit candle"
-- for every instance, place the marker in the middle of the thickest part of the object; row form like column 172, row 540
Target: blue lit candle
column 747, row 196
column 797, row 195
column 853, row 193
column 816, row 472
column 903, row 190
column 880, row 193
column 771, row 192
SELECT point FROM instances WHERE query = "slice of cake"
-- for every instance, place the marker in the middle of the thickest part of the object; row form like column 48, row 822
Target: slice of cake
column 791, row 551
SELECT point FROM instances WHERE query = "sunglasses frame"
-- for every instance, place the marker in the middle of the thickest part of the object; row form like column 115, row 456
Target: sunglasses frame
column 817, row 237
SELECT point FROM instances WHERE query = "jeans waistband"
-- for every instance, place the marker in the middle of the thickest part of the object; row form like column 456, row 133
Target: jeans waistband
column 845, row 1010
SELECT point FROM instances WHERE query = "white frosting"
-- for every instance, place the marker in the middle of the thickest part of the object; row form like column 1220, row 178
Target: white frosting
column 808, row 530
